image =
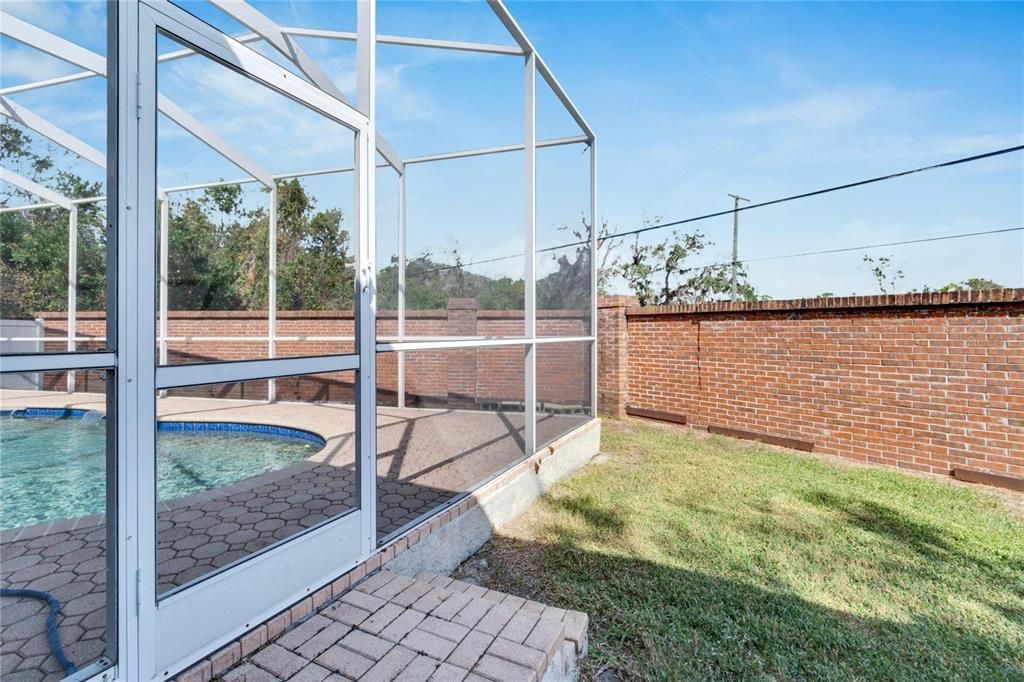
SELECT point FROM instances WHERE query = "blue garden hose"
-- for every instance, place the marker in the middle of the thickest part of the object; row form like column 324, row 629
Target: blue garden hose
column 51, row 624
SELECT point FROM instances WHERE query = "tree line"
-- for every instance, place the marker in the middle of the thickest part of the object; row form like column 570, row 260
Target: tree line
column 218, row 253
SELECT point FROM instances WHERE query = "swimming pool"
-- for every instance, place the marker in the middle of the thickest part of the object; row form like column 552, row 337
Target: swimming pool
column 53, row 462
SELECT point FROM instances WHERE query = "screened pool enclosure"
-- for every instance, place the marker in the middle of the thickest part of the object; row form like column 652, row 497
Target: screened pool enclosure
column 280, row 281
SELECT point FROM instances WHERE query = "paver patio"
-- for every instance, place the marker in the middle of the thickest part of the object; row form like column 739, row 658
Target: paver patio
column 430, row 627
column 426, row 458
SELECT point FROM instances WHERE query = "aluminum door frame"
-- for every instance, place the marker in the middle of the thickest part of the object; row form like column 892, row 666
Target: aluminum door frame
column 172, row 632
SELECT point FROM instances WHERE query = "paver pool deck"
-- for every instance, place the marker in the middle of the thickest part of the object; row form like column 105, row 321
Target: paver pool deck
column 425, row 458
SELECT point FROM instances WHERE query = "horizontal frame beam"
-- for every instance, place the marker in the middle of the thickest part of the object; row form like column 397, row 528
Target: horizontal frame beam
column 564, row 339
column 176, row 376
column 84, row 75
column 56, row 362
column 26, row 33
column 392, row 346
column 461, row 46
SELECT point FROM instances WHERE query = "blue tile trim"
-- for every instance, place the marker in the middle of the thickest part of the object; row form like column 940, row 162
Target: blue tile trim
column 45, row 413
column 235, row 427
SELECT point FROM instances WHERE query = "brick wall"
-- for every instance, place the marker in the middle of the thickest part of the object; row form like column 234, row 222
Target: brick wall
column 456, row 378
column 929, row 382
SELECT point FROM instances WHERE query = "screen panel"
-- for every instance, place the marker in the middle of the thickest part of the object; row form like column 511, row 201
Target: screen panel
column 563, row 267
column 57, row 492
column 462, row 422
column 564, row 376
column 228, row 284
column 53, row 212
column 236, row 474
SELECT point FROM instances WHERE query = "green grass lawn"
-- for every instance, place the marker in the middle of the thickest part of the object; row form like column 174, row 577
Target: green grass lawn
column 701, row 557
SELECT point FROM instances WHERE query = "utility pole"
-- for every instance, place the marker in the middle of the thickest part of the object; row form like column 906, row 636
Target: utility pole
column 736, row 239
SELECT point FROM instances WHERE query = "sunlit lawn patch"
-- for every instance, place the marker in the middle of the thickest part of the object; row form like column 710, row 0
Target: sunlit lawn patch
column 706, row 557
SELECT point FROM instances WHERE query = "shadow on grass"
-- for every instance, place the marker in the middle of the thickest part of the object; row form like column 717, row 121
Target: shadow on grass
column 925, row 539
column 928, row 541
column 603, row 520
column 658, row 622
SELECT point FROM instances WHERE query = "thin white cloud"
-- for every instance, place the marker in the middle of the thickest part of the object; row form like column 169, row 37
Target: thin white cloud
column 24, row 65
column 52, row 16
column 836, row 108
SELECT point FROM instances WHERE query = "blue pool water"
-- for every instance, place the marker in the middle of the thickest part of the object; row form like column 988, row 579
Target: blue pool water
column 55, row 467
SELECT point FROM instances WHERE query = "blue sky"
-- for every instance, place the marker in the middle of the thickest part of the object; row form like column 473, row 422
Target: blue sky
column 690, row 101
column 695, row 100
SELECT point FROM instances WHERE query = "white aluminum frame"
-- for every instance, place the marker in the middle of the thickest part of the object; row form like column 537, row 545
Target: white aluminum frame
column 196, row 619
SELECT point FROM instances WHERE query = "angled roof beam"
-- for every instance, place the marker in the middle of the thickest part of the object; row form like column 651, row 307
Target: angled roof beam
column 83, row 75
column 499, row 9
column 483, row 48
column 45, row 41
column 58, row 47
column 97, row 64
column 58, row 135
column 33, row 187
column 193, row 126
column 256, row 21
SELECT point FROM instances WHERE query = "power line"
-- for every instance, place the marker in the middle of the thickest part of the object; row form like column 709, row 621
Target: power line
column 862, row 247
column 826, row 190
column 762, row 204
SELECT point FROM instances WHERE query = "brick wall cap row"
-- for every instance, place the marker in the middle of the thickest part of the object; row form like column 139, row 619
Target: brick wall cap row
column 943, row 298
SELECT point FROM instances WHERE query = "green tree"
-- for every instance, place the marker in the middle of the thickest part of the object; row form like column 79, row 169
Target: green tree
column 226, row 265
column 316, row 269
column 503, row 293
column 972, row 284
column 34, row 243
column 431, row 281
column 200, row 272
column 568, row 287
column 657, row 273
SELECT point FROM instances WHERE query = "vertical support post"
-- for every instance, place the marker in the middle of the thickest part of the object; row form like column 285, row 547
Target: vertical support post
column 530, row 239
column 72, row 287
column 137, row 209
column 594, row 227
column 272, row 291
column 366, row 172
column 401, row 287
column 164, row 263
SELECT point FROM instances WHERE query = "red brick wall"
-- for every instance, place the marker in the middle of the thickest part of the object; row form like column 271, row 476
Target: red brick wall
column 457, row 378
column 923, row 381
